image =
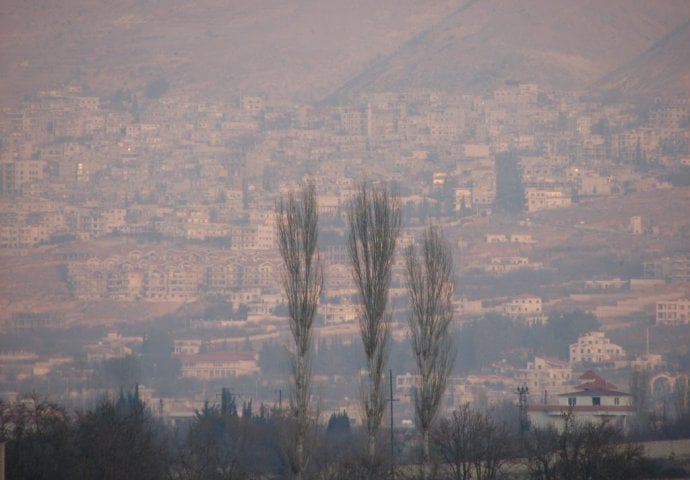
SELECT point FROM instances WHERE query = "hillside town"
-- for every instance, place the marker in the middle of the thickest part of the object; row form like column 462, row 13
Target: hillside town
column 145, row 208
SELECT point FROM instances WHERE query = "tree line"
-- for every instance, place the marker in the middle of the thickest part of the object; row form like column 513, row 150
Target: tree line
column 124, row 438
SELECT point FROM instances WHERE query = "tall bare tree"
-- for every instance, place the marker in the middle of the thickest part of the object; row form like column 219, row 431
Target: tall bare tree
column 297, row 222
column 374, row 224
column 430, row 287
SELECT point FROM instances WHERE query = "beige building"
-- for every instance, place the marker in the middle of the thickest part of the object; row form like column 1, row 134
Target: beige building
column 538, row 199
column 673, row 312
column 405, row 385
column 523, row 306
column 546, row 376
column 338, row 313
column 649, row 361
column 219, row 364
column 595, row 347
column 15, row 176
column 463, row 198
column 500, row 265
column 636, row 225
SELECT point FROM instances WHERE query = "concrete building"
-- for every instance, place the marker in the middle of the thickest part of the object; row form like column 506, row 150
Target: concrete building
column 673, row 312
column 219, row 364
column 546, row 377
column 595, row 347
column 525, row 305
column 538, row 199
column 594, row 400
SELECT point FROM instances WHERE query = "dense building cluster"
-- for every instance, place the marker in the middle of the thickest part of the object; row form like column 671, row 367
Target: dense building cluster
column 176, row 200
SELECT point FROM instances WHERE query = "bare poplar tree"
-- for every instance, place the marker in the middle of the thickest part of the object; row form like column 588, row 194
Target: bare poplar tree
column 374, row 224
column 297, row 221
column 430, row 287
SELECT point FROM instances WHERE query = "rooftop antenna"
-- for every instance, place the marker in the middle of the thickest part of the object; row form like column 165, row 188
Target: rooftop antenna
column 647, row 341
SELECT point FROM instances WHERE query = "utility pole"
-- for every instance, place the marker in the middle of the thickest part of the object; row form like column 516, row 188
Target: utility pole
column 390, row 377
column 522, row 391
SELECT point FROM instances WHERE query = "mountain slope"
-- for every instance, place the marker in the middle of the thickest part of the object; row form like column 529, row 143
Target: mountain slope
column 663, row 69
column 556, row 43
column 209, row 48
column 313, row 49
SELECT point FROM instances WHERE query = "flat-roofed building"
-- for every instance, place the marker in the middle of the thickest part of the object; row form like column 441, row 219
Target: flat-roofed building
column 673, row 312
column 595, row 347
column 219, row 364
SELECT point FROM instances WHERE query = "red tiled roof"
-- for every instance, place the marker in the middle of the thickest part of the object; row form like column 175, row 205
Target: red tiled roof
column 596, row 382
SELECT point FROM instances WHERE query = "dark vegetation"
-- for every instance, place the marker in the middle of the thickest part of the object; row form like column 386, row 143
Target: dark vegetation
column 678, row 178
column 156, row 88
column 122, row 438
column 510, row 193
column 480, row 343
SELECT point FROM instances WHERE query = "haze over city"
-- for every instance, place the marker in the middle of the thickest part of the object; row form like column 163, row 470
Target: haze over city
column 149, row 152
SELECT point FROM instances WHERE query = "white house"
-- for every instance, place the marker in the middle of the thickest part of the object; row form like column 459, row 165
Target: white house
column 594, row 400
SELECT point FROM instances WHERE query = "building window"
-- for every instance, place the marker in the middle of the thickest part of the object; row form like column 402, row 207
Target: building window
column 572, row 401
column 596, row 401
column 617, row 401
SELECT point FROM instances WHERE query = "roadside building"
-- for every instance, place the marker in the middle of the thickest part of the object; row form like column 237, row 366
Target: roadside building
column 594, row 400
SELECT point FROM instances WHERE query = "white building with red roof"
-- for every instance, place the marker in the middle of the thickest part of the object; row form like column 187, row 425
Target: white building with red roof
column 593, row 400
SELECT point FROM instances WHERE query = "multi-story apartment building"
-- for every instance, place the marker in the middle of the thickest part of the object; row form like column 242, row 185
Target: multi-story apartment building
column 500, row 265
column 16, row 176
column 546, row 376
column 219, row 364
column 338, row 313
column 595, row 347
column 675, row 269
column 526, row 308
column 673, row 312
column 538, row 199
